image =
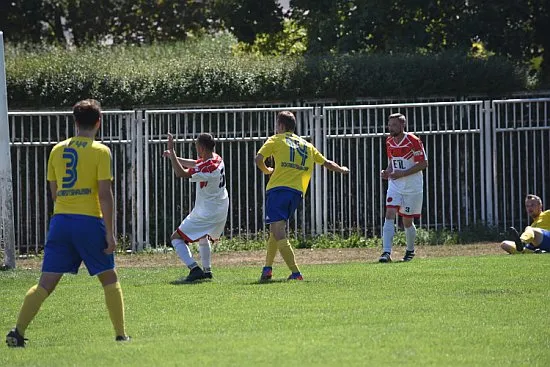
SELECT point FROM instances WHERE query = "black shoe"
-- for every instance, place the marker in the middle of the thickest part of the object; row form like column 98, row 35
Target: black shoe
column 409, row 255
column 385, row 258
column 195, row 274
column 515, row 236
column 123, row 338
column 15, row 340
column 208, row 275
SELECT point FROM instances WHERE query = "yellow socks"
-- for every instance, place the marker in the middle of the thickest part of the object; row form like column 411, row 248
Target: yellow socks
column 271, row 251
column 528, row 235
column 115, row 305
column 33, row 300
column 288, row 254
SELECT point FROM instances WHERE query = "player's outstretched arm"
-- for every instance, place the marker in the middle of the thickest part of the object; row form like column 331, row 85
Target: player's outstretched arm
column 185, row 162
column 260, row 163
column 333, row 166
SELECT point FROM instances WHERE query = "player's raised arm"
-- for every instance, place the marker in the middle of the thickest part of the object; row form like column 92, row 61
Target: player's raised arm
column 179, row 171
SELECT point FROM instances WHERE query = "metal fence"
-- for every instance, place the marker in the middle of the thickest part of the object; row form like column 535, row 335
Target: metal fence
column 484, row 157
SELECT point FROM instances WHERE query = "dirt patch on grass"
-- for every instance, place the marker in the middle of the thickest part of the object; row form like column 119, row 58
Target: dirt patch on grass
column 303, row 256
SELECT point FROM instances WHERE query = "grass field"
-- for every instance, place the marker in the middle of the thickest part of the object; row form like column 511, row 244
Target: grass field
column 485, row 310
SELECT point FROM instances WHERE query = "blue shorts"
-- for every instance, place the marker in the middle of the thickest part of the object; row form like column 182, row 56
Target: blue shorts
column 73, row 239
column 545, row 244
column 281, row 203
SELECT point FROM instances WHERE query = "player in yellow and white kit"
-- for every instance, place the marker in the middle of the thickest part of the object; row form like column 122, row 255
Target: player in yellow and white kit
column 294, row 160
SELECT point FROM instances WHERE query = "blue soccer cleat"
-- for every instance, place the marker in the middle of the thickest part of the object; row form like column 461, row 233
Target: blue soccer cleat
column 267, row 274
column 295, row 276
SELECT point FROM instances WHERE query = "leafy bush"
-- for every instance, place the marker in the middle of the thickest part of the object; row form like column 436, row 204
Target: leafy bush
column 206, row 71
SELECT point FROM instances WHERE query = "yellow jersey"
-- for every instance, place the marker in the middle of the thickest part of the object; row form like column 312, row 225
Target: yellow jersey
column 77, row 164
column 542, row 221
column 294, row 160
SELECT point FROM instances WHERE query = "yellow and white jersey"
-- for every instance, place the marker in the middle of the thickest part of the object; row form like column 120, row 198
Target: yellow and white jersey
column 542, row 221
column 77, row 164
column 294, row 160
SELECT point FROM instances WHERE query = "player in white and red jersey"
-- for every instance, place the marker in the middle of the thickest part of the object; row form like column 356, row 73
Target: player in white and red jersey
column 207, row 219
column 406, row 160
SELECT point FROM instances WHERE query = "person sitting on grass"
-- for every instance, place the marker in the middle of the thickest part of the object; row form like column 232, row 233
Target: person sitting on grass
column 536, row 237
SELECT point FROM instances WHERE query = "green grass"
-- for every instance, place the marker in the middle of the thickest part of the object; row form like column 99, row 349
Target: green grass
column 487, row 310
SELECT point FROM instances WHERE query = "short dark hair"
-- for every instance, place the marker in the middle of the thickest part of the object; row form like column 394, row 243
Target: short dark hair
column 86, row 113
column 533, row 197
column 288, row 119
column 398, row 116
column 207, row 141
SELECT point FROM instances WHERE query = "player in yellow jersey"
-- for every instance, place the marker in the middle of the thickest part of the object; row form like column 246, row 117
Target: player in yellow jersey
column 81, row 229
column 294, row 161
column 536, row 237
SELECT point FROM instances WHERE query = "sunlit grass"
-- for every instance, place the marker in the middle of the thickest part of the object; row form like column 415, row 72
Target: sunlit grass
column 487, row 310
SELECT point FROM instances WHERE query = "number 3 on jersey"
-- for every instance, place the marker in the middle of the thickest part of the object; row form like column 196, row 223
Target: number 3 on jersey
column 71, row 156
column 222, row 179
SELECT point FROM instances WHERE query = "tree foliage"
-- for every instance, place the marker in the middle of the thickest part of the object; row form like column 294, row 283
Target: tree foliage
column 82, row 22
column 248, row 18
column 518, row 29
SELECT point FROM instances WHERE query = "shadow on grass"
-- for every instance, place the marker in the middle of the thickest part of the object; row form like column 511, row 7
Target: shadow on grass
column 185, row 282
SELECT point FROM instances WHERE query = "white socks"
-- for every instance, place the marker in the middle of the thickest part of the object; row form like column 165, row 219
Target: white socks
column 205, row 250
column 410, row 235
column 184, row 253
column 388, row 230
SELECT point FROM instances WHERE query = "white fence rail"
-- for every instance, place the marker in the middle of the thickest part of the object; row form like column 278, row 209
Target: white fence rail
column 484, row 156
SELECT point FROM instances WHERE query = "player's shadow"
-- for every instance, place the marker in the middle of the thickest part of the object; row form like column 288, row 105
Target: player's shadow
column 184, row 282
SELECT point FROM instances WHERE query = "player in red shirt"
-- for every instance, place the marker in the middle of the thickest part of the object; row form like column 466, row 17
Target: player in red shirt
column 406, row 160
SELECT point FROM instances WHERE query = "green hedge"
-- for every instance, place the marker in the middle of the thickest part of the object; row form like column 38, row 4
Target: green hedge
column 169, row 75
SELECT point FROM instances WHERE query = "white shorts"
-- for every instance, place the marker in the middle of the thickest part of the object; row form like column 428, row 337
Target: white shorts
column 410, row 205
column 194, row 227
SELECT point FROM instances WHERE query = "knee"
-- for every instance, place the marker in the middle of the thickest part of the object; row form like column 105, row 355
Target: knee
column 508, row 247
column 48, row 287
column 108, row 277
column 408, row 223
column 49, row 282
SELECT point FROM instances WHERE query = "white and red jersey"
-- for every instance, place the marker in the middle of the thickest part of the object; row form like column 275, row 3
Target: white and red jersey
column 404, row 155
column 211, row 199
